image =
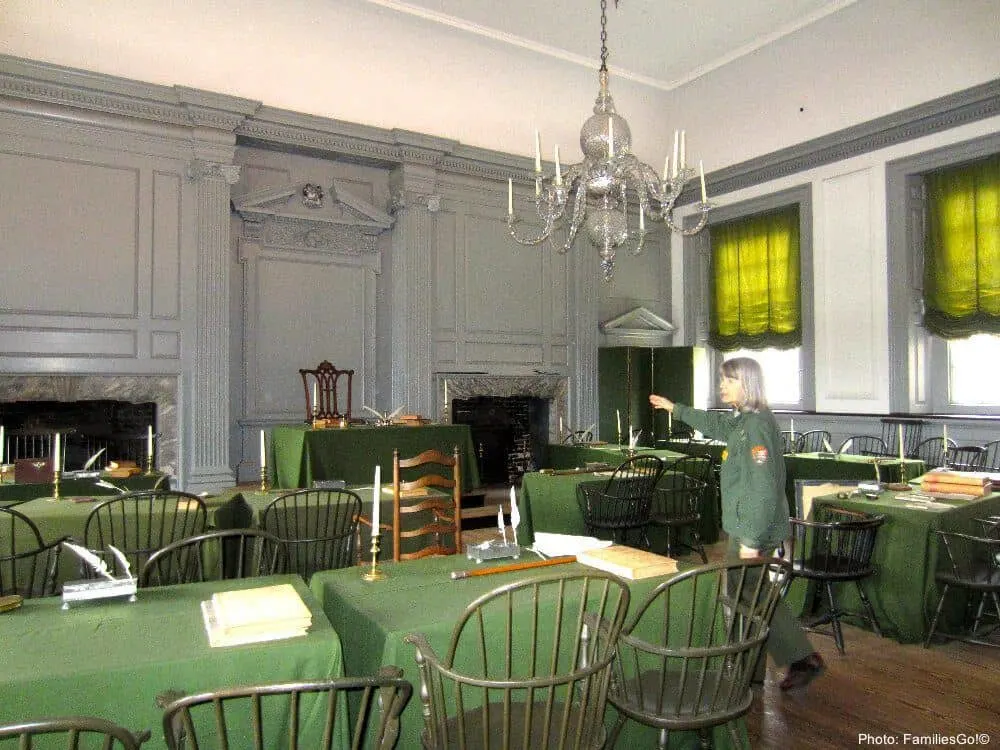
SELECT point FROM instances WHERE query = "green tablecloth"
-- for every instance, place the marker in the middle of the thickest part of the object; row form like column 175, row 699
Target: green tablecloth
column 902, row 591
column 711, row 449
column 548, row 503
column 58, row 518
column 302, row 454
column 12, row 494
column 842, row 466
column 419, row 596
column 573, row 456
column 112, row 659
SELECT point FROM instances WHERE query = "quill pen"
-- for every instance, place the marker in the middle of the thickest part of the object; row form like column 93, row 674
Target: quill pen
column 377, row 414
column 91, row 559
column 93, row 459
column 122, row 560
column 395, row 413
column 111, row 486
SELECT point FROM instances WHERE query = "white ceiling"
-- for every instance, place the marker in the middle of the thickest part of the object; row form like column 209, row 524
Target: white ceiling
column 655, row 42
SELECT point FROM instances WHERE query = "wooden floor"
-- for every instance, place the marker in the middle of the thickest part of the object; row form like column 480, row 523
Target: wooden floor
column 882, row 689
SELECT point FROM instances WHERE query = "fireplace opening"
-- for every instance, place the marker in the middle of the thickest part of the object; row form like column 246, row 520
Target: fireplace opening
column 509, row 433
column 118, row 427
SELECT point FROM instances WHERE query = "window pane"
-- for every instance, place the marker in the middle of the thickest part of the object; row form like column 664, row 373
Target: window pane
column 972, row 364
column 782, row 373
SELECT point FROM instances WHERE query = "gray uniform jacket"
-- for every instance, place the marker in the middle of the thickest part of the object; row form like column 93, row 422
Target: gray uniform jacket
column 754, row 508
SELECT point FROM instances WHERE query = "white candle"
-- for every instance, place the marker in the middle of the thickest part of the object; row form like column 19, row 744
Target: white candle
column 538, row 153
column 701, row 171
column 149, row 440
column 446, row 394
column 500, row 526
column 376, row 499
column 510, row 197
column 642, row 220
column 315, row 396
column 901, row 454
column 944, row 429
column 56, row 464
column 618, row 418
column 611, row 137
column 560, row 429
column 670, row 423
column 677, row 136
column 263, row 451
column 683, row 150
column 558, row 167
column 666, row 168
column 791, row 427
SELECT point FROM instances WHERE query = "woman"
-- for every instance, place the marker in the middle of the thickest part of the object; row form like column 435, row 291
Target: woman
column 754, row 509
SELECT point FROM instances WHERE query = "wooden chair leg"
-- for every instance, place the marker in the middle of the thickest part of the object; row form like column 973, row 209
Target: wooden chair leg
column 838, row 636
column 937, row 614
column 869, row 610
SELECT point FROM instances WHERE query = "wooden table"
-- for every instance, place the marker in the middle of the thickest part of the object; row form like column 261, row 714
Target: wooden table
column 113, row 659
column 903, row 591
column 419, row 596
column 302, row 455
column 14, row 494
column 842, row 466
column 548, row 503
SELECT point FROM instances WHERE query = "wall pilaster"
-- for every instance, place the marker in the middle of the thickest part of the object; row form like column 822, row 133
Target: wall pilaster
column 412, row 287
column 208, row 413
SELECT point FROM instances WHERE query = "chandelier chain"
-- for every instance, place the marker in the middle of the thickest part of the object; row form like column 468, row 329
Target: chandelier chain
column 604, row 34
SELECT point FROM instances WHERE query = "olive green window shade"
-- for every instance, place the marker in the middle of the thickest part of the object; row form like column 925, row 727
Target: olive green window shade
column 755, row 295
column 962, row 250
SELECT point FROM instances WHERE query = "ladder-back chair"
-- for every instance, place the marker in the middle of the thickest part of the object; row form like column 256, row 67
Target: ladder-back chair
column 426, row 505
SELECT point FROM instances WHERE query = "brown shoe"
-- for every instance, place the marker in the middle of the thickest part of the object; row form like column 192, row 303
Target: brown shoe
column 803, row 671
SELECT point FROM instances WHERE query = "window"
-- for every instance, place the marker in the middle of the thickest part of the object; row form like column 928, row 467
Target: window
column 782, row 377
column 968, row 360
column 778, row 334
column 943, row 260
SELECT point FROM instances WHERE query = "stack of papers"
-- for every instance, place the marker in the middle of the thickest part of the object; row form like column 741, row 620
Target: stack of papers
column 267, row 613
column 556, row 545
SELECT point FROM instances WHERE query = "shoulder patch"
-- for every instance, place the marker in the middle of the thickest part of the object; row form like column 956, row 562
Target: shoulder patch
column 759, row 453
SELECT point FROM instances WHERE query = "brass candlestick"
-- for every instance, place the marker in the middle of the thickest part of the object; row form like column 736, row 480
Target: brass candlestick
column 902, row 472
column 264, row 484
column 56, row 474
column 375, row 572
column 150, row 466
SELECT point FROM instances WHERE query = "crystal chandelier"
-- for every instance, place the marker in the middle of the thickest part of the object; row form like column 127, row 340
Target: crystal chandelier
column 599, row 189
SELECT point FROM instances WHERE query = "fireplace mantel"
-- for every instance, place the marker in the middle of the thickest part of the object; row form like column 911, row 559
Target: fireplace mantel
column 453, row 385
column 135, row 388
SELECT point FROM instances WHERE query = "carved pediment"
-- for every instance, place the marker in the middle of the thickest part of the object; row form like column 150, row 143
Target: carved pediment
column 317, row 204
column 637, row 327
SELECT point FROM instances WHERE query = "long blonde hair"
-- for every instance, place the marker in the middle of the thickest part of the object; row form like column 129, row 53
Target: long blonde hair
column 748, row 372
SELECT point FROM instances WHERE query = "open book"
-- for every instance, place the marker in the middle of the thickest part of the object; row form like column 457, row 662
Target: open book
column 267, row 613
column 628, row 562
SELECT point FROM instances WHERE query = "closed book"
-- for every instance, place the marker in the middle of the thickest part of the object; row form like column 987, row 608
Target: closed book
column 967, row 490
column 966, row 478
column 265, row 609
column 628, row 562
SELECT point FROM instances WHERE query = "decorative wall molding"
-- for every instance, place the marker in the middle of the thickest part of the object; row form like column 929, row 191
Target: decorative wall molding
column 257, row 125
column 637, row 327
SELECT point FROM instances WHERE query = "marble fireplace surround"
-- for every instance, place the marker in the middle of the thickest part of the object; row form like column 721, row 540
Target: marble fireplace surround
column 452, row 385
column 135, row 388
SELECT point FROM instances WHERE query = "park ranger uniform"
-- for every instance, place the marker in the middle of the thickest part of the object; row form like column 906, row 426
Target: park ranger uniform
column 754, row 508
